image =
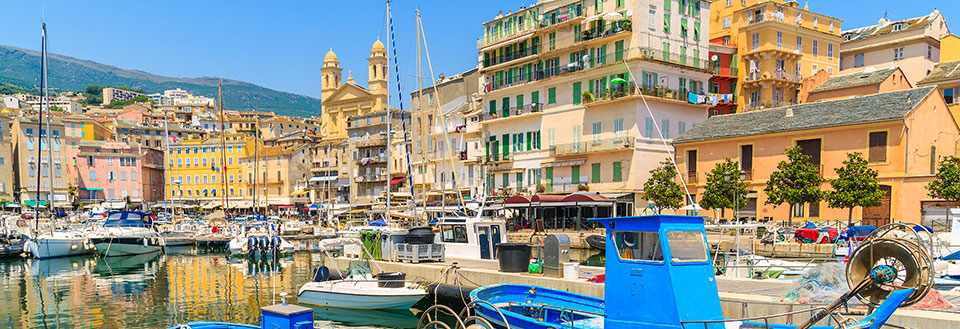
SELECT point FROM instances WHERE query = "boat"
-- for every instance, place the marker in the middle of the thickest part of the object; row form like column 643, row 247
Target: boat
column 59, row 244
column 358, row 288
column 127, row 233
column 659, row 275
column 470, row 237
column 259, row 237
column 11, row 245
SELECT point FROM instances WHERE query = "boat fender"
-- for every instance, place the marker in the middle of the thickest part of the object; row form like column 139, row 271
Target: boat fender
column 145, row 242
column 321, row 274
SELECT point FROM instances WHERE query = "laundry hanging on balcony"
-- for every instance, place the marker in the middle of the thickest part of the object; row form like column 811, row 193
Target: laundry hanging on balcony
column 696, row 99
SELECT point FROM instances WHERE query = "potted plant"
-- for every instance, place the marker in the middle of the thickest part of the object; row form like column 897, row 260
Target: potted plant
column 587, row 96
column 583, row 187
column 541, row 188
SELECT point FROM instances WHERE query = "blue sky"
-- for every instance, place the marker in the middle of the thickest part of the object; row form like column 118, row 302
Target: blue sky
column 281, row 44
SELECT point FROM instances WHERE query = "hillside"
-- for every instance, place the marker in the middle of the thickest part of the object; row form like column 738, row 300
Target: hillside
column 21, row 67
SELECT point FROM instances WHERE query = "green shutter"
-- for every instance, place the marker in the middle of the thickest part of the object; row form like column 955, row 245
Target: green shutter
column 646, row 82
column 552, row 95
column 683, row 27
column 529, row 140
column 539, row 141
column 505, row 148
column 666, row 22
column 602, row 55
column 603, row 87
column 666, row 4
column 493, row 106
column 576, row 93
column 696, row 30
column 590, row 87
column 488, row 149
column 575, row 175
column 595, row 174
column 506, row 107
column 520, row 101
column 548, row 178
column 535, row 97
column 618, row 49
column 618, row 171
column 514, row 142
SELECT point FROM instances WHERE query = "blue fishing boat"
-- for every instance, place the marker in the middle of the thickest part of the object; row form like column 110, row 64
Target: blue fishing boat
column 659, row 275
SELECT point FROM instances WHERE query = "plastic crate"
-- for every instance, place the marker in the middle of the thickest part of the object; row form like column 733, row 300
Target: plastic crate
column 415, row 253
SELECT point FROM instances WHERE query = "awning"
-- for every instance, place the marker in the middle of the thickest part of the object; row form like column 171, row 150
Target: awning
column 342, row 182
column 33, row 203
column 355, row 211
column 563, row 163
column 300, row 192
column 396, row 180
column 550, row 200
column 93, row 188
column 315, row 179
column 517, row 201
column 211, row 205
column 284, row 206
column 588, row 199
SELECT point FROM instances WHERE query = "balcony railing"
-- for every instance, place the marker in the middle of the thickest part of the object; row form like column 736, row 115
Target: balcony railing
column 370, row 178
column 691, row 177
column 729, row 71
column 510, row 56
column 562, row 15
column 602, row 145
column 674, row 58
column 616, row 28
column 499, row 157
column 747, row 174
column 373, row 140
column 781, row 75
column 513, row 111
column 371, row 160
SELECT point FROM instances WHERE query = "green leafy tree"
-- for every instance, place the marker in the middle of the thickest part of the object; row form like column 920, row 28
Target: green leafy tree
column 796, row 181
column 855, row 186
column 946, row 183
column 662, row 187
column 724, row 189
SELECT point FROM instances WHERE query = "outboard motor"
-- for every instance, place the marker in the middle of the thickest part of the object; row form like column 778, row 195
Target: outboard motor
column 321, row 274
column 276, row 242
column 263, row 242
column 251, row 243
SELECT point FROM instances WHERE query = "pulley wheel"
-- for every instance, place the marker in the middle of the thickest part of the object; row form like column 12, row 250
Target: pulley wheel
column 890, row 264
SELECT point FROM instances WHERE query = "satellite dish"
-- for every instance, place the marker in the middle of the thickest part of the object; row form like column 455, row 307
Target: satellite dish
column 714, row 57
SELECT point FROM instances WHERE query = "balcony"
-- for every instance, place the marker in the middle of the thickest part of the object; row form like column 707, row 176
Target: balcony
column 691, row 177
column 602, row 145
column 674, row 58
column 561, row 17
column 781, row 76
column 493, row 61
column 374, row 140
column 371, row 160
column 615, row 29
column 726, row 71
column 513, row 111
column 374, row 178
column 498, row 158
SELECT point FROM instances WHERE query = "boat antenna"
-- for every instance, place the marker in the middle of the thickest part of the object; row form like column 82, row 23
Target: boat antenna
column 443, row 119
column 662, row 139
column 406, row 145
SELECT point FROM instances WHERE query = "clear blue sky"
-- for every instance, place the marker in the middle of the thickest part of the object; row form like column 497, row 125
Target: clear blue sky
column 281, row 44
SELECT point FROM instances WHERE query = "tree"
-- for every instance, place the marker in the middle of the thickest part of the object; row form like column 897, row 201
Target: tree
column 662, row 187
column 724, row 189
column 796, row 181
column 946, row 183
column 855, row 186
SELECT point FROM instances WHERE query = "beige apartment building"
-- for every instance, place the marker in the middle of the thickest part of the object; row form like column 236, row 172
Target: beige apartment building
column 6, row 161
column 279, row 168
column 29, row 139
column 562, row 110
column 912, row 44
column 446, row 110
column 368, row 158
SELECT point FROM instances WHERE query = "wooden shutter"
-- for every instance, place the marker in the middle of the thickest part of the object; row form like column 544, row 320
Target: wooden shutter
column 595, row 173
column 878, row 146
column 617, row 171
column 692, row 161
column 746, row 157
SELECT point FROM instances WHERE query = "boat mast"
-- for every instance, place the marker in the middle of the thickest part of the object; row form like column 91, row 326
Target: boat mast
column 406, row 144
column 166, row 167
column 423, row 123
column 256, row 163
column 389, row 133
column 223, row 157
column 45, row 102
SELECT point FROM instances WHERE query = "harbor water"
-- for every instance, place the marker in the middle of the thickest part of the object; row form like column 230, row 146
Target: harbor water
column 161, row 290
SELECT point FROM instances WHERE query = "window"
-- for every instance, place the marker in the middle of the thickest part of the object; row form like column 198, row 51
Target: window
column 755, row 44
column 878, row 146
column 813, row 209
column 816, row 47
column 779, row 40
column 726, row 22
column 816, row 22
column 552, row 95
column 648, row 128
column 597, row 129
column 456, row 233
column 576, row 93
column 618, row 128
column 831, row 27
column 652, row 24
column 897, row 53
column 858, row 60
column 93, row 175
column 829, row 50
column 665, row 128
column 618, row 171
column 897, row 27
column 595, row 173
column 123, row 175
column 133, row 176
column 30, row 144
column 799, row 44
column 933, row 159
column 951, row 95
column 644, row 246
column 687, row 246
column 746, row 160
column 929, row 52
column 575, row 174
column 666, row 22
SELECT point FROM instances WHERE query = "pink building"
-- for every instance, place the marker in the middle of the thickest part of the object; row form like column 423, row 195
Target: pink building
column 110, row 170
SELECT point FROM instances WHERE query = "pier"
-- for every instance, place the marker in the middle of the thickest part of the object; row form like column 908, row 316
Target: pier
column 739, row 297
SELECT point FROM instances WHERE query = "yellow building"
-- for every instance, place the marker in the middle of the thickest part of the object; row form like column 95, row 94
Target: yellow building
column 195, row 167
column 950, row 48
column 778, row 44
column 946, row 76
column 341, row 101
column 86, row 128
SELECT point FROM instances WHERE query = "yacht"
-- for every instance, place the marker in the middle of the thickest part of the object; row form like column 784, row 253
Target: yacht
column 59, row 243
column 127, row 233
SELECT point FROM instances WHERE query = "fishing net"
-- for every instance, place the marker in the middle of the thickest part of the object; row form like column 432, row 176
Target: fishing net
column 821, row 284
column 932, row 301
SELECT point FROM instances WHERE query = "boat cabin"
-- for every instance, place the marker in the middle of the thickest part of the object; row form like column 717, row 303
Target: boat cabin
column 470, row 237
column 659, row 262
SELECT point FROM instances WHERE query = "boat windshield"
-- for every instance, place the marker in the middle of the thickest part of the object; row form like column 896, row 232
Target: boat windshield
column 643, row 246
column 117, row 219
column 687, row 246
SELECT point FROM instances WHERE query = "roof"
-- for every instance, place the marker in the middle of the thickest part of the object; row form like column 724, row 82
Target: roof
column 854, row 80
column 943, row 72
column 885, row 26
column 881, row 107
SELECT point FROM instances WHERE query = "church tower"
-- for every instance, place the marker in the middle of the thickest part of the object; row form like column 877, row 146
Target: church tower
column 378, row 69
column 330, row 75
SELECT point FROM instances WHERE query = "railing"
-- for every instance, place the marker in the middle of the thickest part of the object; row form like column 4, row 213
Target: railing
column 692, row 177
column 616, row 28
column 513, row 111
column 675, row 58
column 747, row 174
column 564, row 15
column 499, row 157
column 730, row 71
column 370, row 178
column 371, row 160
column 602, row 145
column 507, row 57
column 614, row 92
column 371, row 140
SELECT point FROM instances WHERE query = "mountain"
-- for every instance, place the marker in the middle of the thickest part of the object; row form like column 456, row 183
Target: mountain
column 21, row 67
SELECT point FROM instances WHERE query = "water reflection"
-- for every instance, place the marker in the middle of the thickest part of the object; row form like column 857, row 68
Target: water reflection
column 161, row 290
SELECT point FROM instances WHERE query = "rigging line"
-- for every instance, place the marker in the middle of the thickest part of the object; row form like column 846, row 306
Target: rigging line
column 660, row 132
column 443, row 120
column 406, row 144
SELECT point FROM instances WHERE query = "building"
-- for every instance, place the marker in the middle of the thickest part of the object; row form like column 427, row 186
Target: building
column 116, row 94
column 901, row 133
column 858, row 83
column 282, row 126
column 912, row 44
column 65, row 105
column 330, row 183
column 443, row 116
column 272, row 177
column 561, row 83
column 152, row 135
column 6, row 161
column 180, row 97
column 8, row 101
column 111, row 170
column 778, row 45
column 368, row 144
column 946, row 77
column 195, row 169
column 344, row 100
column 723, row 84
column 30, row 141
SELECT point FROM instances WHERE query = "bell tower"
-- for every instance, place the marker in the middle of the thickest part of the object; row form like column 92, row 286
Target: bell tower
column 377, row 64
column 330, row 75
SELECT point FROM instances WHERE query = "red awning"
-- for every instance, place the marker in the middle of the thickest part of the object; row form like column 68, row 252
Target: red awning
column 586, row 197
column 396, row 180
column 517, row 199
column 545, row 198
column 285, row 206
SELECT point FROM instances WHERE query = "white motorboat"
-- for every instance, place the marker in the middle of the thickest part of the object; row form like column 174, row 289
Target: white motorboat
column 59, row 244
column 126, row 233
column 358, row 289
column 259, row 238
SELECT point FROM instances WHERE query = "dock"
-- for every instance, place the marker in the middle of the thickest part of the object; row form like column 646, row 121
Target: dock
column 739, row 297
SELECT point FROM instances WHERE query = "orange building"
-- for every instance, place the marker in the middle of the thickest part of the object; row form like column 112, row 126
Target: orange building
column 866, row 82
column 902, row 134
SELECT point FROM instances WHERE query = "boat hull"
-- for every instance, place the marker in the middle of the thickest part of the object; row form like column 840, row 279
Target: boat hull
column 358, row 302
column 57, row 247
column 125, row 246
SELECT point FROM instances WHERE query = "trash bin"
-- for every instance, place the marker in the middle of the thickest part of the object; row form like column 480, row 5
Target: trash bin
column 514, row 257
column 391, row 280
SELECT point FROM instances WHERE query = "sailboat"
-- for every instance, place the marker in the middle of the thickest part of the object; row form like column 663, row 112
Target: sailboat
column 54, row 243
